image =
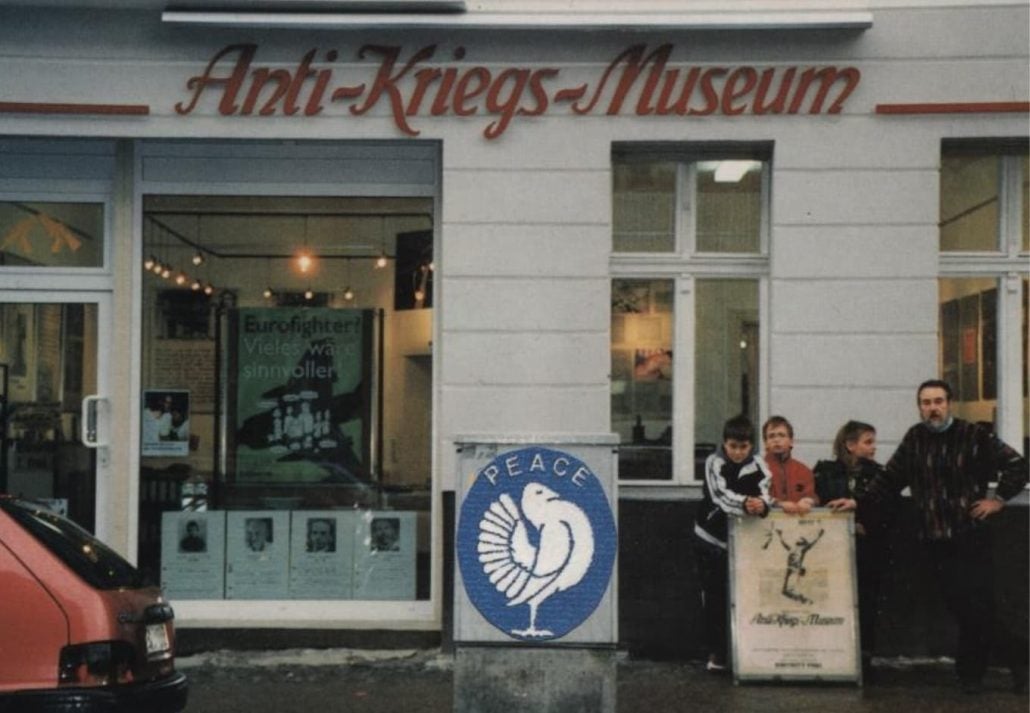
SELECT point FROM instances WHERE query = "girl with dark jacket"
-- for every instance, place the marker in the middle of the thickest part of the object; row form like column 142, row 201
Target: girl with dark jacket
column 839, row 483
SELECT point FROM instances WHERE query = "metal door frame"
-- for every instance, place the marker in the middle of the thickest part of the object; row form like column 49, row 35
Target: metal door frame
column 103, row 299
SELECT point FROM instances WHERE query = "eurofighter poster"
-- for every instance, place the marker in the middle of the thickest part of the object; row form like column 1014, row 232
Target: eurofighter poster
column 301, row 395
column 794, row 608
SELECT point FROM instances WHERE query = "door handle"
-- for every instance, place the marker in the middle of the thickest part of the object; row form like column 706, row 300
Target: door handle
column 95, row 418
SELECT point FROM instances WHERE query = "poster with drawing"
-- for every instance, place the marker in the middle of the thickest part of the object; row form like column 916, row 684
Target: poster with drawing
column 300, row 395
column 793, row 601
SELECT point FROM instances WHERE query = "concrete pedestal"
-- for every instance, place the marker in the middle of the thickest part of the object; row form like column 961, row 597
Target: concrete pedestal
column 534, row 680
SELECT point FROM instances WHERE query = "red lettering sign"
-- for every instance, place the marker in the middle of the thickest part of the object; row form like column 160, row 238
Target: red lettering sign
column 638, row 80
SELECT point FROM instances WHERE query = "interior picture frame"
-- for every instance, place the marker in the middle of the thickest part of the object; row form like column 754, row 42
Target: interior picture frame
column 20, row 346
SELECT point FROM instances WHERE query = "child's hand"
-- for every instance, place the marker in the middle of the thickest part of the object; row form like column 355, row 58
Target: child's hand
column 842, row 504
column 754, row 506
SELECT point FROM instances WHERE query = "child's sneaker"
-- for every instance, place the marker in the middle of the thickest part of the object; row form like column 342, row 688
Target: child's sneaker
column 714, row 665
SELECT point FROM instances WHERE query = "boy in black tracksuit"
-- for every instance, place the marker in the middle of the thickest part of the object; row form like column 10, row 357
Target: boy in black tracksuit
column 736, row 483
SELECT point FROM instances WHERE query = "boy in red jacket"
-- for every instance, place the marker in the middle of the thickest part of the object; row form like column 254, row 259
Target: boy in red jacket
column 793, row 485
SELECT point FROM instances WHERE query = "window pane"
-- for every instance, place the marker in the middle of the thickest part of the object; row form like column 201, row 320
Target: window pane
column 968, row 345
column 51, row 234
column 1025, row 180
column 726, row 359
column 969, row 203
column 1026, row 367
column 642, row 338
column 643, row 207
column 287, row 413
column 729, row 206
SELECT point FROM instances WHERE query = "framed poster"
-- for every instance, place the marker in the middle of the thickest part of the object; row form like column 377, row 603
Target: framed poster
column 989, row 343
column 165, row 423
column 949, row 348
column 300, row 395
column 793, row 598
column 257, row 550
column 384, row 555
column 322, row 554
column 19, row 348
column 193, row 555
column 413, row 271
column 969, row 348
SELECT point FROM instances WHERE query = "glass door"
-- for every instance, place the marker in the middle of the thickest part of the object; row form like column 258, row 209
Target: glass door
column 51, row 384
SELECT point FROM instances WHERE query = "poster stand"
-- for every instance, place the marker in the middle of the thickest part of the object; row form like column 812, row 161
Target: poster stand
column 793, row 598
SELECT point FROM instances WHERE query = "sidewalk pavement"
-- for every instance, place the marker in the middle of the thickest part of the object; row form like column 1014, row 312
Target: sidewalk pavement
column 396, row 681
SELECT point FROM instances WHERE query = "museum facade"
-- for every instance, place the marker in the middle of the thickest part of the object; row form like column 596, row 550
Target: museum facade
column 264, row 273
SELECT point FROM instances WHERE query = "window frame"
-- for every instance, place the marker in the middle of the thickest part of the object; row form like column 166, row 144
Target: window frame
column 87, row 277
column 685, row 265
column 1008, row 266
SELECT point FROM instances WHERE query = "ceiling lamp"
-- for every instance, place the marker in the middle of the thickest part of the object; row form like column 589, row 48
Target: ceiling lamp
column 733, row 171
column 381, row 260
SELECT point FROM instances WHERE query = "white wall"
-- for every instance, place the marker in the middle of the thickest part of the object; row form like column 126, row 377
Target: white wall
column 522, row 332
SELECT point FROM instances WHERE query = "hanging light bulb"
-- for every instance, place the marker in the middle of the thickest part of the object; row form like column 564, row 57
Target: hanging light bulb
column 267, row 294
column 181, row 278
column 195, row 285
column 158, row 268
column 198, row 258
column 348, row 294
column 166, row 272
column 309, row 294
column 304, row 259
column 381, row 260
column 208, row 288
column 149, row 263
column 419, row 295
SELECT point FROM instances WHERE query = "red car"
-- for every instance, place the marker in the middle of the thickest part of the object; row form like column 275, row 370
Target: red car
column 79, row 630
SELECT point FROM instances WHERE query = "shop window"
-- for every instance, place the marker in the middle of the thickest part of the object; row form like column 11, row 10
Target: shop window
column 687, row 274
column 729, row 206
column 51, row 234
column 642, row 341
column 643, row 207
column 1025, row 193
column 286, row 403
column 982, row 289
column 725, row 356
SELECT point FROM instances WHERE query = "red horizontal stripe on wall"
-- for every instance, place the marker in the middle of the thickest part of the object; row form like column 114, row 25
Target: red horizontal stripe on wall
column 954, row 108
column 63, row 108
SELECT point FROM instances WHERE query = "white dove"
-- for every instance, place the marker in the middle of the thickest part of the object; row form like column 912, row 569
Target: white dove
column 530, row 574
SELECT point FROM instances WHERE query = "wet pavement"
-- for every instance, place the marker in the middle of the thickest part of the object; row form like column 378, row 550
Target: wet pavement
column 327, row 681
